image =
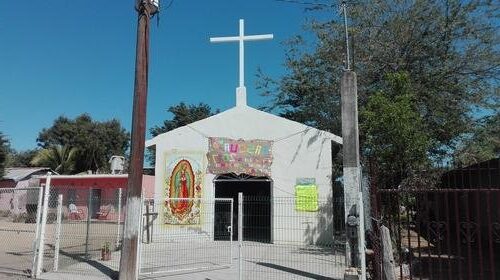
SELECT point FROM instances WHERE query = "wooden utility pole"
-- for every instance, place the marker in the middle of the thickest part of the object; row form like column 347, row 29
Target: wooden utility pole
column 129, row 269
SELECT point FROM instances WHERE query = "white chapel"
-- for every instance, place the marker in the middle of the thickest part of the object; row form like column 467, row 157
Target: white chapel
column 244, row 150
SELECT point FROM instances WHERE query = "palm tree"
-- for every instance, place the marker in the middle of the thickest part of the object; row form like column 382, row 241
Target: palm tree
column 59, row 158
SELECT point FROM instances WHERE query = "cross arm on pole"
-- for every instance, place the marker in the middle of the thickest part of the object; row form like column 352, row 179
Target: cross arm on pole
column 258, row 37
column 238, row 38
column 224, row 39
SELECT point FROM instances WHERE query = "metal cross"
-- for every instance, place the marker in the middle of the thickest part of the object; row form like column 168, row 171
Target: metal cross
column 241, row 39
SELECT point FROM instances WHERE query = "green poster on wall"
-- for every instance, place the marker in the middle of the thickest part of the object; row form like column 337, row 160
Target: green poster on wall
column 306, row 198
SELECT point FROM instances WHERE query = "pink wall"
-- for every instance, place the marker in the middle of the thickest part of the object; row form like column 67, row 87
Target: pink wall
column 108, row 187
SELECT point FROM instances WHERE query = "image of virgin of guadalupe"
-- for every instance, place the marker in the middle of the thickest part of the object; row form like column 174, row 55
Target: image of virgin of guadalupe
column 182, row 181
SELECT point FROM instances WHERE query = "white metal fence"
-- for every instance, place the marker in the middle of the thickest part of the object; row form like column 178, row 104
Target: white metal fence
column 272, row 239
column 281, row 242
column 88, row 235
column 18, row 226
column 221, row 238
column 64, row 229
column 186, row 235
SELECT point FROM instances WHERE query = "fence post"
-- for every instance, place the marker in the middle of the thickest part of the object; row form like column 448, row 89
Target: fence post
column 118, row 231
column 361, row 241
column 240, row 236
column 41, row 242
column 89, row 213
column 58, row 232
column 388, row 258
column 139, row 243
column 232, row 229
column 36, row 242
column 148, row 239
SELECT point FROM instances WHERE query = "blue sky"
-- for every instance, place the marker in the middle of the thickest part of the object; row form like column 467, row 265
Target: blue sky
column 69, row 57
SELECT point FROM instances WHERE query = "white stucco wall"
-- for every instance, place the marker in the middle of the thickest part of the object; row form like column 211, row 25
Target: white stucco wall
column 298, row 151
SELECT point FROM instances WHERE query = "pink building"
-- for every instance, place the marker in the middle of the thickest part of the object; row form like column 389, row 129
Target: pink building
column 99, row 192
column 12, row 196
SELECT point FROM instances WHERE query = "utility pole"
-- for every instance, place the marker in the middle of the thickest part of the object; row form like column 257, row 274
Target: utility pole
column 353, row 204
column 129, row 269
column 347, row 56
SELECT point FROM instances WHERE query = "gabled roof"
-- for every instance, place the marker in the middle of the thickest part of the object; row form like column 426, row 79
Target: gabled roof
column 231, row 122
column 20, row 173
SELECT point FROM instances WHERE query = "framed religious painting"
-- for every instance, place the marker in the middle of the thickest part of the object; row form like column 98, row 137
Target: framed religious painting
column 182, row 187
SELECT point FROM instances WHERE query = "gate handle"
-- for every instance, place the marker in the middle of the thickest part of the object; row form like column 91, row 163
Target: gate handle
column 229, row 228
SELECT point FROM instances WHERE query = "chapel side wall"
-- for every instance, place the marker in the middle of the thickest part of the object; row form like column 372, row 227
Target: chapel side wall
column 305, row 155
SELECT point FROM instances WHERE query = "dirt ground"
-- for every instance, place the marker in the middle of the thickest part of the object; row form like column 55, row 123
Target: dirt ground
column 16, row 246
column 17, row 241
column 213, row 260
column 260, row 261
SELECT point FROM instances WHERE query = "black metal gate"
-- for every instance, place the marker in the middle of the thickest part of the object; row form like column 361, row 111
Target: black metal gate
column 441, row 233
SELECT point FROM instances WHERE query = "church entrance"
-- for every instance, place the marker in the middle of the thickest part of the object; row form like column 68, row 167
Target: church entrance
column 256, row 204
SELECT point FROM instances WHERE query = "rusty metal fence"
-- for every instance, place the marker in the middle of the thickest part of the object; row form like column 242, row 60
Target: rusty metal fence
column 443, row 233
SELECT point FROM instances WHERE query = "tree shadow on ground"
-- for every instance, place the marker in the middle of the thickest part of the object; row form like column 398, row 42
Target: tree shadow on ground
column 295, row 271
column 112, row 274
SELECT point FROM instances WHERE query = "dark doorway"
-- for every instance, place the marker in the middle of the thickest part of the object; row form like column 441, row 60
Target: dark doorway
column 96, row 202
column 256, row 205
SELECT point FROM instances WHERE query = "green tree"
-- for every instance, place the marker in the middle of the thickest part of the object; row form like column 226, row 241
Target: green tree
column 449, row 51
column 61, row 159
column 483, row 144
column 3, row 153
column 94, row 141
column 182, row 115
column 394, row 134
column 20, row 158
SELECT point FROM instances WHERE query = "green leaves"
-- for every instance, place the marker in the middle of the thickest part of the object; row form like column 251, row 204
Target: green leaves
column 482, row 145
column 95, row 142
column 393, row 131
column 422, row 67
column 182, row 115
column 3, row 154
column 61, row 159
column 20, row 158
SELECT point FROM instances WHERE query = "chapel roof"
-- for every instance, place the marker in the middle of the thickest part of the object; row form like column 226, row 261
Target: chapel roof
column 272, row 127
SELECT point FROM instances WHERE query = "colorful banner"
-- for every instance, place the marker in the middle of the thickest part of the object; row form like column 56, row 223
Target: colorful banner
column 253, row 157
column 306, row 198
column 183, row 183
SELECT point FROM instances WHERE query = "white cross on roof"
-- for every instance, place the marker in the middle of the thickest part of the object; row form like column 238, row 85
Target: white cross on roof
column 241, row 38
